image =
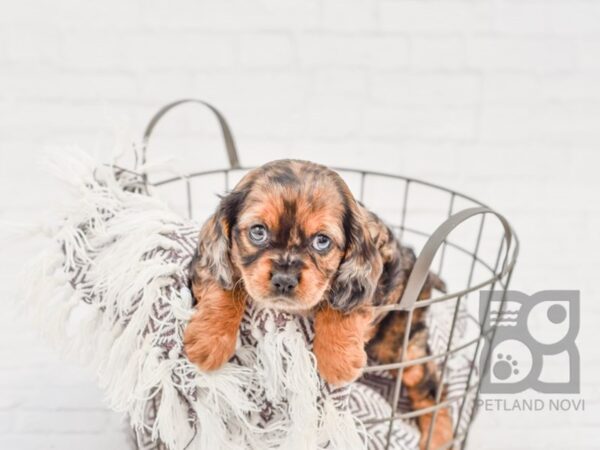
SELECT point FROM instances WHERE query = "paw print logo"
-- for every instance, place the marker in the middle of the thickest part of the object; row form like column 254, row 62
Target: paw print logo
column 505, row 367
column 530, row 330
column 510, row 363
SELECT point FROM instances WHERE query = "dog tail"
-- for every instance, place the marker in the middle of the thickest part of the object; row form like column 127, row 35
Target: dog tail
column 437, row 283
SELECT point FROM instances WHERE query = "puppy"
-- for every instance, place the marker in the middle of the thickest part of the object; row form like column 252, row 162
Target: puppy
column 291, row 236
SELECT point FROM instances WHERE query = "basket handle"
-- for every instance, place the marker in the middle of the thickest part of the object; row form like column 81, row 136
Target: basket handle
column 420, row 271
column 230, row 147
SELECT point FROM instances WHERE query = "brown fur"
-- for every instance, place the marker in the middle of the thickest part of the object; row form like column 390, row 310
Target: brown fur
column 296, row 201
column 388, row 331
column 442, row 428
column 339, row 343
column 211, row 335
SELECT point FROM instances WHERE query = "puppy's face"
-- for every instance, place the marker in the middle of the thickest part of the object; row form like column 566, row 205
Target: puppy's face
column 295, row 235
column 289, row 240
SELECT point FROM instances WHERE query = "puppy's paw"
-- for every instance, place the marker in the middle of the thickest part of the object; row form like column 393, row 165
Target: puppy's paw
column 339, row 364
column 210, row 352
column 339, row 345
column 442, row 431
column 210, row 337
column 413, row 375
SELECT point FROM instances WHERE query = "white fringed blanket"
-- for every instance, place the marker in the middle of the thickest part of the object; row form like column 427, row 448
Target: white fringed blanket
column 112, row 288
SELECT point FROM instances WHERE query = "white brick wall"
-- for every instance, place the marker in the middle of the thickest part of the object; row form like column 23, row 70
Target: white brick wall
column 496, row 98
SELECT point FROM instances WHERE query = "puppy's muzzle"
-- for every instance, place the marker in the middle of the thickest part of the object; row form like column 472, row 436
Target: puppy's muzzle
column 284, row 283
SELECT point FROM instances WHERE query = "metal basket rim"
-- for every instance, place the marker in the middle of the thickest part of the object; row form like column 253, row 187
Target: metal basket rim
column 497, row 276
column 438, row 240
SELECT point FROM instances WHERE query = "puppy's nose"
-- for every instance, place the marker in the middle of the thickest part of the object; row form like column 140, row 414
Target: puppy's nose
column 284, row 283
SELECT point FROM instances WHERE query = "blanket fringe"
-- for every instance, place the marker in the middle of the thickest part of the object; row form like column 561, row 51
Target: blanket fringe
column 105, row 315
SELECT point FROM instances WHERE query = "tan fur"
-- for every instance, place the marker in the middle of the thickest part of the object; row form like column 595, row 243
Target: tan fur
column 211, row 335
column 339, row 343
column 320, row 203
column 365, row 266
column 442, row 429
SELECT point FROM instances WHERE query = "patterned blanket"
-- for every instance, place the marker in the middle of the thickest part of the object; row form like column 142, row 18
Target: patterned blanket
column 116, row 294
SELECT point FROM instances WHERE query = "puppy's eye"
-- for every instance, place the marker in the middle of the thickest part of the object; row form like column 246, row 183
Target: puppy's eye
column 258, row 234
column 321, row 242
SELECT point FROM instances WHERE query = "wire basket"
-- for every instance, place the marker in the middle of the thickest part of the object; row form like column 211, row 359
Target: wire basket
column 456, row 239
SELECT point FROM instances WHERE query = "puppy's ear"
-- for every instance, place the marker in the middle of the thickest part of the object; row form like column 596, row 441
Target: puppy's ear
column 215, row 240
column 359, row 271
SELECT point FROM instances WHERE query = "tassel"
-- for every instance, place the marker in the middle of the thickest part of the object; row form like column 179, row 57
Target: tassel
column 116, row 298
